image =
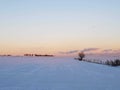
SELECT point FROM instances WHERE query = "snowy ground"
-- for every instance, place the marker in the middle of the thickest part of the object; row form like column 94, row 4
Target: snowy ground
column 52, row 73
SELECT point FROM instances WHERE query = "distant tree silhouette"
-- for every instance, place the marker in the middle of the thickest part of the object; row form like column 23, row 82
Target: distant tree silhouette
column 81, row 56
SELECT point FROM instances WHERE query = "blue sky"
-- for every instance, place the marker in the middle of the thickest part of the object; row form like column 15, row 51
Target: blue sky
column 52, row 25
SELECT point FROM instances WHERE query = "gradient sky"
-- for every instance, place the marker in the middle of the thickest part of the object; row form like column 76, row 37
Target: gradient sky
column 51, row 26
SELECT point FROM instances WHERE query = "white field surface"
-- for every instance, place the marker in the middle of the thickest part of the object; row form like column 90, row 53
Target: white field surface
column 53, row 73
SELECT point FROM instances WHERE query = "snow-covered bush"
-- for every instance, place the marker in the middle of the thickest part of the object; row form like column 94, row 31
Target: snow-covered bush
column 113, row 63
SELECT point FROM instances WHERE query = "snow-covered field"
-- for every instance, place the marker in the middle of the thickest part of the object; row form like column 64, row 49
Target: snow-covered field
column 53, row 73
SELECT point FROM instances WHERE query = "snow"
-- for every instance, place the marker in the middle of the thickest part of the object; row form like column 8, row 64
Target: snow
column 56, row 73
column 102, row 58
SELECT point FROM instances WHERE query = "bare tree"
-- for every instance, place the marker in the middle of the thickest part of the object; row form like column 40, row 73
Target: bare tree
column 81, row 55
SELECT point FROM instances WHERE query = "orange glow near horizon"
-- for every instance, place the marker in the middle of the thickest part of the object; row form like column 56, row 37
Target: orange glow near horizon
column 53, row 47
column 44, row 50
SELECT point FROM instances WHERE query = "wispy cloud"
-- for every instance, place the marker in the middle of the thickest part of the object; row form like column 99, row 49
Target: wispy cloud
column 76, row 51
column 69, row 52
column 90, row 49
column 107, row 50
column 111, row 51
column 116, row 51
